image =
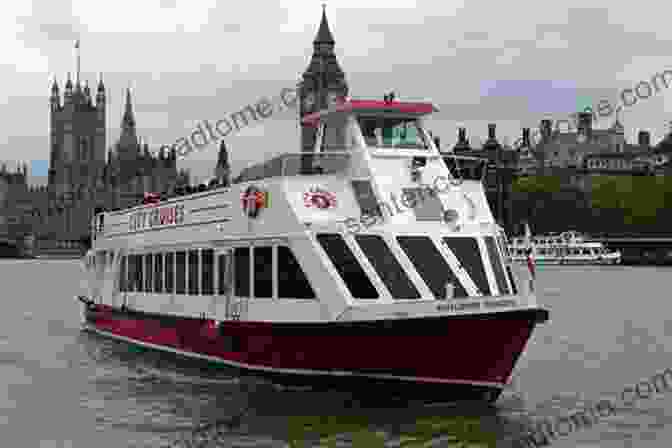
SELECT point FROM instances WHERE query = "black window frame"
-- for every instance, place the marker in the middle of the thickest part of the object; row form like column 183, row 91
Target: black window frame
column 207, row 272
column 193, row 287
column 241, row 266
column 169, row 272
column 158, row 273
column 263, row 272
column 388, row 268
column 180, row 272
column 289, row 283
column 349, row 269
column 431, row 266
column 497, row 265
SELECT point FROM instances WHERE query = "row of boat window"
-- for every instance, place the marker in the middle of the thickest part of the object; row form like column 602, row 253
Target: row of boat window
column 249, row 270
column 201, row 272
column 425, row 257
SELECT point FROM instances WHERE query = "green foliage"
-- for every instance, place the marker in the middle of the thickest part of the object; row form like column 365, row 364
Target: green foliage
column 537, row 184
column 643, row 199
column 618, row 203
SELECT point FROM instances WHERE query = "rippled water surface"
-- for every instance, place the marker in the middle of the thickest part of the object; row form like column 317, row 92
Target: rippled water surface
column 609, row 327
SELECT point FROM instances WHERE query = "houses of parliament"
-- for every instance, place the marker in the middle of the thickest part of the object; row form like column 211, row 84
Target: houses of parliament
column 85, row 175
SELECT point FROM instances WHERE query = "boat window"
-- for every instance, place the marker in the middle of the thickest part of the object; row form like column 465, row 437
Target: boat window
column 586, row 251
column 122, row 275
column 148, row 272
column 388, row 268
column 366, row 198
column 511, row 279
column 224, row 284
column 292, row 281
column 241, row 260
column 424, row 202
column 469, row 255
column 398, row 133
column 135, row 273
column 180, row 272
column 193, row 272
column 207, row 274
column 169, row 272
column 496, row 261
column 347, row 266
column 263, row 272
column 158, row 273
column 431, row 265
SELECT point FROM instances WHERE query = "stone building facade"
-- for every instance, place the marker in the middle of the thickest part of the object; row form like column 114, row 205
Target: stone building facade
column 83, row 173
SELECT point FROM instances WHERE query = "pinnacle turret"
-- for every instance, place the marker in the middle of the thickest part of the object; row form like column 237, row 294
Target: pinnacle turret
column 324, row 35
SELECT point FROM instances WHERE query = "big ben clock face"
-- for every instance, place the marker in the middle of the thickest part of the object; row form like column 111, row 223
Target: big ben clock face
column 309, row 102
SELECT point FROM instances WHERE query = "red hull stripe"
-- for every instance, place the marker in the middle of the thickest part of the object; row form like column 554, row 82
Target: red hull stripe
column 240, row 365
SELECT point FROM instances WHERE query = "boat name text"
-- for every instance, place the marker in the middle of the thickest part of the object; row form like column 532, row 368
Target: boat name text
column 456, row 306
column 156, row 217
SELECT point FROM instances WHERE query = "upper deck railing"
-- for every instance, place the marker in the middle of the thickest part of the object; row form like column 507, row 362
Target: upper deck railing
column 297, row 164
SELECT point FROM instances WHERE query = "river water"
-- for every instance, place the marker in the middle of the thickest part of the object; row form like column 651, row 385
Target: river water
column 60, row 387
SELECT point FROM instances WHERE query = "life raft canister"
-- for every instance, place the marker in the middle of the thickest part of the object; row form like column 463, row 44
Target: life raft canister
column 253, row 201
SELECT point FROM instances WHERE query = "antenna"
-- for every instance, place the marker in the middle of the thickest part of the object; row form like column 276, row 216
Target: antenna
column 77, row 59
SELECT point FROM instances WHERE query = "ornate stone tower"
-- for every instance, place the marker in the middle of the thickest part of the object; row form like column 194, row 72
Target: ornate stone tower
column 322, row 79
column 77, row 136
column 128, row 147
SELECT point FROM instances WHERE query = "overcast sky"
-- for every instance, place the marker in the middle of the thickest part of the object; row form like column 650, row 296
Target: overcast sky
column 511, row 63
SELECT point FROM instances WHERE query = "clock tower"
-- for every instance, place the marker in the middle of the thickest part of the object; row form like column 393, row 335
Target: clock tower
column 322, row 82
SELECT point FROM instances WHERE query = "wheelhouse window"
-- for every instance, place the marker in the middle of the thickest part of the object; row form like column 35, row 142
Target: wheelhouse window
column 347, row 266
column 431, row 265
column 169, row 272
column 180, row 274
column 397, row 133
column 148, row 272
column 158, row 273
column 241, row 260
column 193, row 272
column 469, row 255
column 497, row 265
column 388, row 268
column 292, row 281
column 207, row 272
column 263, row 272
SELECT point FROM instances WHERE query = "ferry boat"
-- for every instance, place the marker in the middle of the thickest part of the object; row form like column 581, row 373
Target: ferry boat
column 309, row 270
column 564, row 248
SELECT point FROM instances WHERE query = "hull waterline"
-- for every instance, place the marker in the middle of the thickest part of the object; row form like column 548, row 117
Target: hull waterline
column 450, row 357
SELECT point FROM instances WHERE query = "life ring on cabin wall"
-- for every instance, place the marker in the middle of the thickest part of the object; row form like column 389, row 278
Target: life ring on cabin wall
column 253, row 201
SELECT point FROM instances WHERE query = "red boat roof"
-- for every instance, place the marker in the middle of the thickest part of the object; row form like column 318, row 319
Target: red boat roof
column 372, row 107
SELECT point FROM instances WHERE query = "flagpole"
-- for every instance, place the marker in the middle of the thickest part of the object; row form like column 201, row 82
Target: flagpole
column 77, row 56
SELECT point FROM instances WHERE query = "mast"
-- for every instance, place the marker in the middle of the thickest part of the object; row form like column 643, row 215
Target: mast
column 77, row 62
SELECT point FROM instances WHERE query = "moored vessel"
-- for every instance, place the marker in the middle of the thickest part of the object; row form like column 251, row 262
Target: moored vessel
column 364, row 261
column 565, row 248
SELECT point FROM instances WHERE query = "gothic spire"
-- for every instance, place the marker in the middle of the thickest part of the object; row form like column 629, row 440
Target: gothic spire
column 101, row 86
column 324, row 35
column 129, row 119
column 222, row 169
